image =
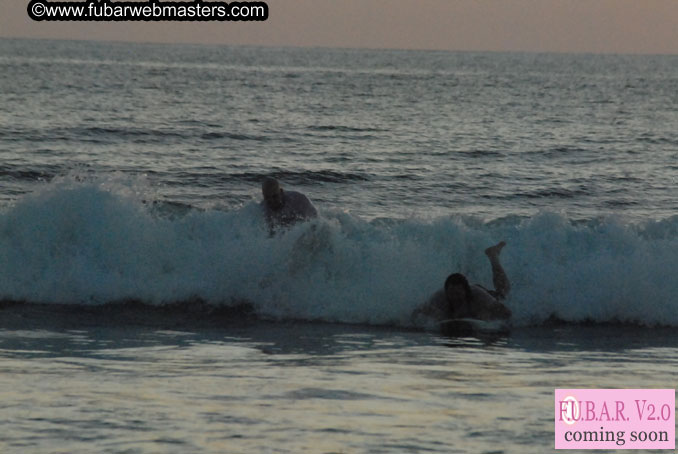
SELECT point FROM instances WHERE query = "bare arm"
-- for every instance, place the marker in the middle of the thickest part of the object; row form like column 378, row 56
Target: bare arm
column 434, row 308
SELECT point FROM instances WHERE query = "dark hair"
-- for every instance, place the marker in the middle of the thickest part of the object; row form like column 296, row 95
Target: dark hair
column 459, row 279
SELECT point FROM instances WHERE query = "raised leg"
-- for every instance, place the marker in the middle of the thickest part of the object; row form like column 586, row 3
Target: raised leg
column 501, row 283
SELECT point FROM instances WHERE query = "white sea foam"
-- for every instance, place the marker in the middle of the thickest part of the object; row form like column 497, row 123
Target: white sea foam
column 98, row 241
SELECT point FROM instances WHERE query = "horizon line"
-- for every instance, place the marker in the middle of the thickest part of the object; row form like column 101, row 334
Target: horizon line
column 330, row 47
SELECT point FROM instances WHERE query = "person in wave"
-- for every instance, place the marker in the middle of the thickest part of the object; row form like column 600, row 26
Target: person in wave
column 458, row 299
column 284, row 208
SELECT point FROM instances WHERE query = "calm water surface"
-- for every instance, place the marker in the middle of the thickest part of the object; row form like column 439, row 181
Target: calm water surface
column 312, row 388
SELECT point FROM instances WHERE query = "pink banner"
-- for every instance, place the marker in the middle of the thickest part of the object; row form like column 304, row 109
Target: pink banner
column 615, row 418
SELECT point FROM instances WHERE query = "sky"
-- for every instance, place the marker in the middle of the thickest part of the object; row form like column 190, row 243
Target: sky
column 591, row 26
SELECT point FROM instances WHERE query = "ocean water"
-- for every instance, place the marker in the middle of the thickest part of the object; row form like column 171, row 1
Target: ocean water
column 130, row 237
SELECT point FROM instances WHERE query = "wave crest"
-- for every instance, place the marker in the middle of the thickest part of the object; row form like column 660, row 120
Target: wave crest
column 93, row 242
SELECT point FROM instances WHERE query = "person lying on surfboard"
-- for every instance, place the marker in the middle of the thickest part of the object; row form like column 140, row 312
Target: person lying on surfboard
column 458, row 299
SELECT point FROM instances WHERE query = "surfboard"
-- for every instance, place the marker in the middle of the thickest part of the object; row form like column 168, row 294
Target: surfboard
column 460, row 327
